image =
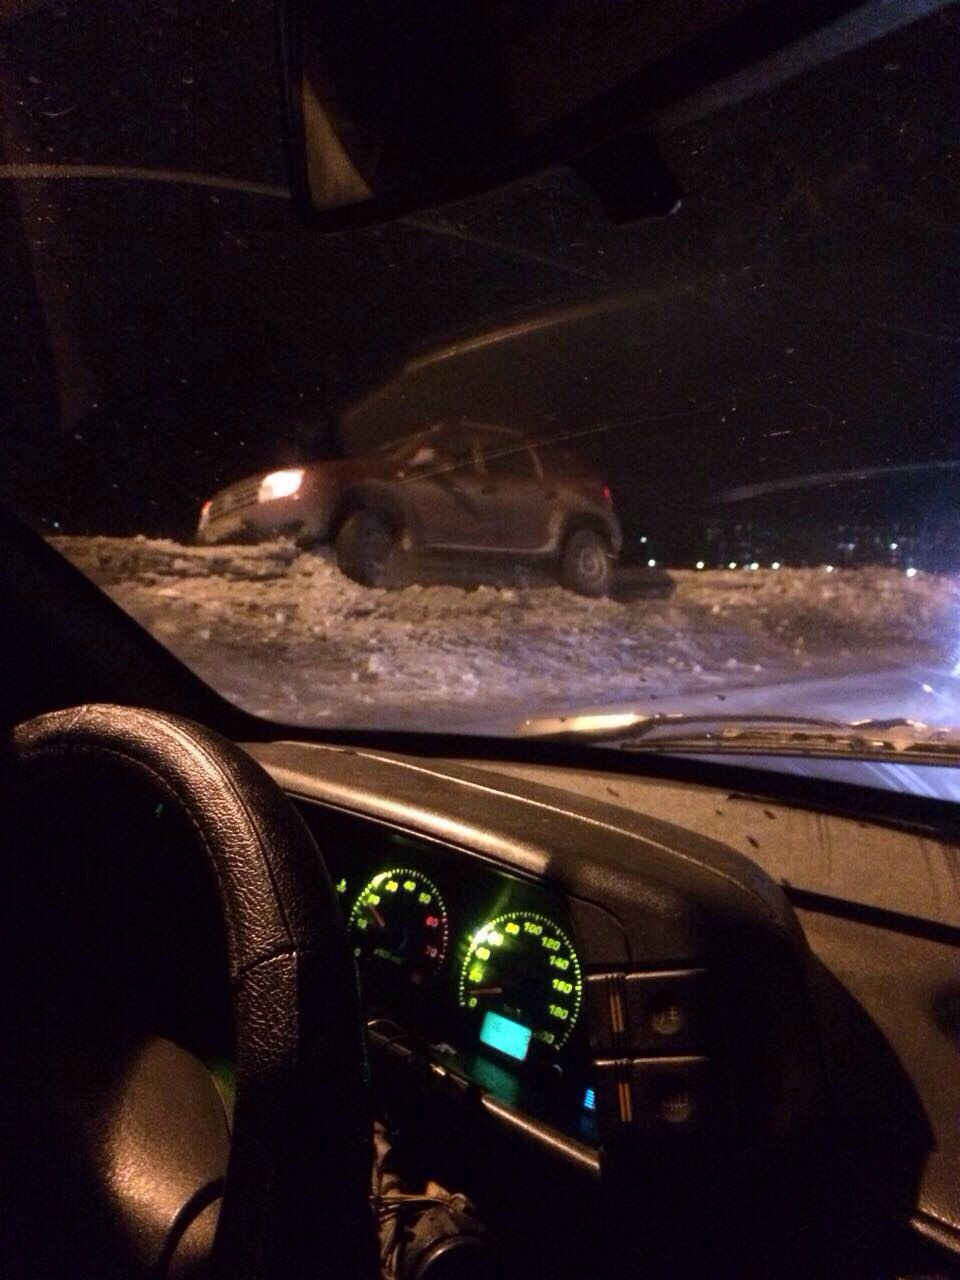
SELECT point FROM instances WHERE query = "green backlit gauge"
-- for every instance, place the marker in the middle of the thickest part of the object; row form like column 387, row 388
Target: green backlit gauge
column 521, row 984
column 399, row 924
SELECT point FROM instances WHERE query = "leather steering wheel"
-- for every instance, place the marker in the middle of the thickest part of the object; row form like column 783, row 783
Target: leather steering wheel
column 293, row 1199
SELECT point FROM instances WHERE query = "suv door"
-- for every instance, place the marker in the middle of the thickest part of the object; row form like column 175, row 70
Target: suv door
column 518, row 497
column 442, row 490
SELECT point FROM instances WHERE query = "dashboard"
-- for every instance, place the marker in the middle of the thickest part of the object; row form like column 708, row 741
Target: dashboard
column 617, row 991
column 613, row 1034
column 643, row 1005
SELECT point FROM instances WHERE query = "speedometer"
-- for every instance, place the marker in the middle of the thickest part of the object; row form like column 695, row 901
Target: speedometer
column 521, row 984
column 399, row 923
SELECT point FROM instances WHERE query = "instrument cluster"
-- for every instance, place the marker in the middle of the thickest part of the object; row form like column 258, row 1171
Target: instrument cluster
column 480, row 965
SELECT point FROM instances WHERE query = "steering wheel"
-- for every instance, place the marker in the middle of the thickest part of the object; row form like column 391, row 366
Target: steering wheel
column 150, row 1181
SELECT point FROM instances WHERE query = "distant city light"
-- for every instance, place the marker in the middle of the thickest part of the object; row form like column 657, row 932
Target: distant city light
column 699, row 564
column 652, row 564
column 894, row 545
column 732, row 564
column 643, row 539
column 926, row 688
column 775, row 565
column 754, row 565
column 911, row 572
column 829, row 568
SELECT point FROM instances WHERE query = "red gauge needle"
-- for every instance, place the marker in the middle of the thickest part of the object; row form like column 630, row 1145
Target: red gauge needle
column 487, row 991
column 378, row 919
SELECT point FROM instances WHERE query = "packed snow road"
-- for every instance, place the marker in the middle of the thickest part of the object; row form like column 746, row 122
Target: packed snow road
column 285, row 635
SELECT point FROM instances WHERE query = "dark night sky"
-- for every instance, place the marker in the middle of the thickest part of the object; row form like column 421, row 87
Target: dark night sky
column 801, row 312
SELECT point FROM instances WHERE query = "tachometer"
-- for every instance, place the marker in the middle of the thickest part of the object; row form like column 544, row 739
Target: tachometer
column 399, row 923
column 522, row 984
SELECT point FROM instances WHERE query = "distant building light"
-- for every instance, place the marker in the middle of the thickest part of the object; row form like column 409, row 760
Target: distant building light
column 643, row 539
column 894, row 545
column 652, row 564
column 732, row 564
column 829, row 568
column 699, row 564
column 754, row 565
column 911, row 572
column 775, row 565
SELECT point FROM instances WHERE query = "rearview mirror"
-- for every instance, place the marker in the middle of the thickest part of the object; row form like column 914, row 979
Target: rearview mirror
column 398, row 105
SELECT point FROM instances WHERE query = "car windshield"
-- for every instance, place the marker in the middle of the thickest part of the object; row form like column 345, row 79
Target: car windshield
column 506, row 462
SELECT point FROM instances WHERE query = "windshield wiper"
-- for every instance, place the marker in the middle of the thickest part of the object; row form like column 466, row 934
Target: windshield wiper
column 898, row 739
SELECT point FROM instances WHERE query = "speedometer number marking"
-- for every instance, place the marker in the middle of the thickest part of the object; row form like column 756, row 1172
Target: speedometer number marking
column 521, row 980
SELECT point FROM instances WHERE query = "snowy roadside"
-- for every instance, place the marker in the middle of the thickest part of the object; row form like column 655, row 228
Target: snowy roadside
column 285, row 635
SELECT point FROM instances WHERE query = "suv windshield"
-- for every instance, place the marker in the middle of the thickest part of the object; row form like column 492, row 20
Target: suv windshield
column 507, row 462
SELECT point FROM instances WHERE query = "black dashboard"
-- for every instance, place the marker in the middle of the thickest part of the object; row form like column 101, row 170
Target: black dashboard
column 554, row 970
column 619, row 1037
column 620, row 989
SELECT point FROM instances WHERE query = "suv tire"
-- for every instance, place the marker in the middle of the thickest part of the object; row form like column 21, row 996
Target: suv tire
column 586, row 565
column 366, row 548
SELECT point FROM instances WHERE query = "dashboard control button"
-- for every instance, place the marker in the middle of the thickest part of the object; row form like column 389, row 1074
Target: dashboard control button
column 665, row 1012
column 652, row 1097
column 671, row 1094
column 646, row 1013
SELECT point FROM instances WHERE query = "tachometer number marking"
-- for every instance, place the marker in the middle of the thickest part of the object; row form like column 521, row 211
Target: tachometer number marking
column 400, row 922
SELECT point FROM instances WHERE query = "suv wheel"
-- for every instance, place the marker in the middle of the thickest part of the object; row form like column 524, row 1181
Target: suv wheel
column 585, row 563
column 366, row 549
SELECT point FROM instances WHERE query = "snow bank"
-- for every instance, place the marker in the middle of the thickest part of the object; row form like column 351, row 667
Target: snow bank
column 285, row 635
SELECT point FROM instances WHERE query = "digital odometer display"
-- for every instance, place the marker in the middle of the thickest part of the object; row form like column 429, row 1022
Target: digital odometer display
column 521, row 983
column 399, row 923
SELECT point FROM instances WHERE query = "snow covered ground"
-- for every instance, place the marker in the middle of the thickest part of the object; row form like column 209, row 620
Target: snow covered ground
column 285, row 635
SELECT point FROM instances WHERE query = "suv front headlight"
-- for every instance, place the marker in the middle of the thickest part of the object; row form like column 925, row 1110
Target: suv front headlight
column 280, row 484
